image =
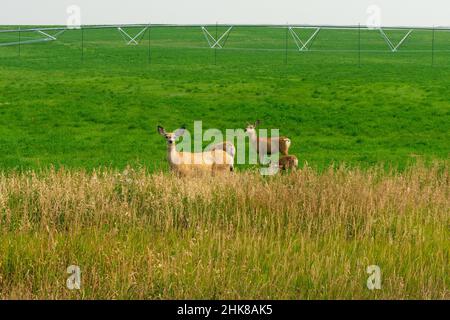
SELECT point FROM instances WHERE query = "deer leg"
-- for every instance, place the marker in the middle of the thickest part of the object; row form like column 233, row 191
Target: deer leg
column 261, row 158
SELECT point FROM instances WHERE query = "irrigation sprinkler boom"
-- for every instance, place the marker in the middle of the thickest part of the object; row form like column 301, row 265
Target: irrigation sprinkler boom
column 303, row 46
column 47, row 37
column 129, row 39
column 218, row 41
column 212, row 42
column 393, row 47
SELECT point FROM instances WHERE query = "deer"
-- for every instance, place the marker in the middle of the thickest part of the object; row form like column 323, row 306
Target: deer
column 263, row 146
column 226, row 146
column 186, row 163
column 286, row 163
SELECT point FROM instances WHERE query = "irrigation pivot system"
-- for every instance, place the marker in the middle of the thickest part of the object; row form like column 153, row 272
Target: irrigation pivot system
column 134, row 40
column 44, row 36
column 300, row 38
column 219, row 42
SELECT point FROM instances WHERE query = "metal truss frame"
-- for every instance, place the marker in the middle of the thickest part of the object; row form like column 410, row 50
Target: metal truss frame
column 220, row 41
column 130, row 40
column 392, row 46
column 47, row 37
column 303, row 45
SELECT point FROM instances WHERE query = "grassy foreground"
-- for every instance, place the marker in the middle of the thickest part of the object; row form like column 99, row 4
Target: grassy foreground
column 306, row 235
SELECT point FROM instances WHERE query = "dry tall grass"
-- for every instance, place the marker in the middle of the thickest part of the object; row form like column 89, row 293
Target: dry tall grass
column 305, row 235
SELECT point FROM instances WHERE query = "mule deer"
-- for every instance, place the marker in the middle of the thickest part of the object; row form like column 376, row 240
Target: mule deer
column 285, row 163
column 226, row 146
column 264, row 145
column 184, row 163
column 288, row 163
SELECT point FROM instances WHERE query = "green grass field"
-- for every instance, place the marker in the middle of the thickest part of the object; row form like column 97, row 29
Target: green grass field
column 57, row 110
column 83, row 172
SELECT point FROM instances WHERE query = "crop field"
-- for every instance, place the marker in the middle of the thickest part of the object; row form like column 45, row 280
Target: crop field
column 84, row 177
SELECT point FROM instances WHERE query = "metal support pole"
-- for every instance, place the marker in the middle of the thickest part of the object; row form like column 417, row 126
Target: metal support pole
column 20, row 40
column 215, row 48
column 432, row 47
column 286, row 45
column 359, row 45
column 149, row 44
column 82, row 43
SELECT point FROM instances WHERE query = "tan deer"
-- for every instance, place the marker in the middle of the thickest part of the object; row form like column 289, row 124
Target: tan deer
column 263, row 146
column 187, row 163
column 226, row 146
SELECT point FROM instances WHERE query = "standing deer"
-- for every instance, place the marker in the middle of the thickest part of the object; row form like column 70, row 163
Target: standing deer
column 184, row 163
column 226, row 146
column 286, row 163
column 263, row 146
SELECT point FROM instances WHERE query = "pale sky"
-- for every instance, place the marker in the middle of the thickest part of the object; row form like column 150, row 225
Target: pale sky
column 332, row 12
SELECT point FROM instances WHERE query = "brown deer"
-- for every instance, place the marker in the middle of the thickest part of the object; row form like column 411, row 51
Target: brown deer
column 285, row 163
column 263, row 146
column 186, row 163
column 288, row 163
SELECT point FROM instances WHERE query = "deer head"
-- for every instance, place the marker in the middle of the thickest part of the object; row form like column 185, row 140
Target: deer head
column 252, row 127
column 171, row 137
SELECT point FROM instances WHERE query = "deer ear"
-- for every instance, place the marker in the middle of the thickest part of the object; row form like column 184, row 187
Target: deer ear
column 179, row 132
column 161, row 131
column 257, row 123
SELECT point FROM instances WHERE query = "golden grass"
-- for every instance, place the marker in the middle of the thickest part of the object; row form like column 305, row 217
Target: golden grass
column 304, row 235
